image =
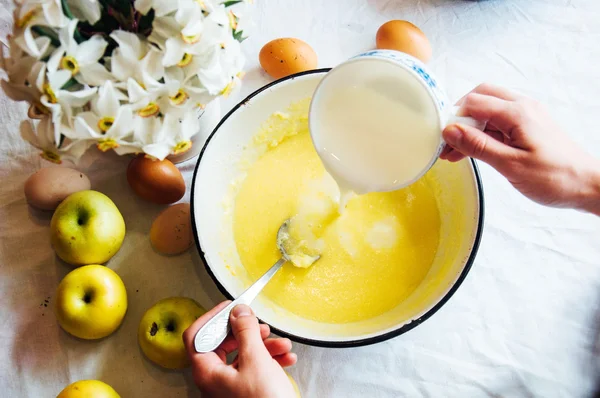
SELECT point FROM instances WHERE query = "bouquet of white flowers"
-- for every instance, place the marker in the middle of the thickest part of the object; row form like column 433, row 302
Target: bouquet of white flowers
column 123, row 75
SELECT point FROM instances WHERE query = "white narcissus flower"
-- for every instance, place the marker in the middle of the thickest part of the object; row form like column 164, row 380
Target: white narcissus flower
column 108, row 124
column 221, row 69
column 43, row 137
column 86, row 10
column 27, row 90
column 138, row 66
column 197, row 35
column 171, row 136
column 149, row 135
column 180, row 138
column 80, row 59
column 184, row 91
column 58, row 100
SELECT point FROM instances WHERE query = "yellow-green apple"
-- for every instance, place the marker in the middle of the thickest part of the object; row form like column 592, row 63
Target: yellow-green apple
column 87, row 228
column 91, row 302
column 161, row 331
column 88, row 389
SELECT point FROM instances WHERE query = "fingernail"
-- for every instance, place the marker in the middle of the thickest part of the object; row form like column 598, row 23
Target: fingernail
column 452, row 135
column 241, row 310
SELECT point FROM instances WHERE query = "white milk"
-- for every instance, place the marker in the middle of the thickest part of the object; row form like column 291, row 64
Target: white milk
column 374, row 126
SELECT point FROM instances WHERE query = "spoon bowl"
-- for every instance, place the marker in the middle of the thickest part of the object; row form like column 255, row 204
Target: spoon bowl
column 212, row 334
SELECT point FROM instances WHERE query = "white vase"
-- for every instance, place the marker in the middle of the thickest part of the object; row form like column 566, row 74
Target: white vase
column 208, row 118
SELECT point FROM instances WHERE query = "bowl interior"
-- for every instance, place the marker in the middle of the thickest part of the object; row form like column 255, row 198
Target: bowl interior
column 218, row 173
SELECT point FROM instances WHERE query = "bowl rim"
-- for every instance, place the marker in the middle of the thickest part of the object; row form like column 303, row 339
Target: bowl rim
column 347, row 343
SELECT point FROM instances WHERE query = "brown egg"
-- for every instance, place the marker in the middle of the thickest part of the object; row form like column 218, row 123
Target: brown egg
column 171, row 231
column 47, row 187
column 157, row 181
column 404, row 36
column 286, row 56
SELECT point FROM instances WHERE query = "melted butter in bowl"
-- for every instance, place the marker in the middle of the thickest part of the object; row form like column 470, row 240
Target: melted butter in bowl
column 374, row 254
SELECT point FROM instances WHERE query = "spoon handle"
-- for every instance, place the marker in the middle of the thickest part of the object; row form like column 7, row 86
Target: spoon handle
column 212, row 334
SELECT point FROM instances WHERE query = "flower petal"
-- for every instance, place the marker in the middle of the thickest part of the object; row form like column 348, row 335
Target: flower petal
column 77, row 98
column 54, row 61
column 58, row 79
column 76, row 149
column 157, row 150
column 135, row 91
column 54, row 13
column 129, row 44
column 86, row 127
column 122, row 67
column 143, row 6
column 107, row 101
column 86, row 10
column 28, row 134
column 90, row 51
column 174, row 51
column 123, row 124
column 93, row 75
column 18, row 92
column 152, row 65
column 124, row 149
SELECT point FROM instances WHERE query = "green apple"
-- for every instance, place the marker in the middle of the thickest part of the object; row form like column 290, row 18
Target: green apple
column 160, row 333
column 88, row 389
column 87, row 228
column 90, row 302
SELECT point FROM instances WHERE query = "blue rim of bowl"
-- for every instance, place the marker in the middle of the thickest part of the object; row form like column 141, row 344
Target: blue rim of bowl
column 350, row 343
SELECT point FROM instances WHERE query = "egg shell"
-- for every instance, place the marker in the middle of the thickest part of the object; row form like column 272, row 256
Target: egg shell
column 157, row 181
column 286, row 56
column 404, row 36
column 171, row 231
column 47, row 187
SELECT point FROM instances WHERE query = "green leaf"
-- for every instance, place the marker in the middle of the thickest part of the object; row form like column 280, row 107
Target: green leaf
column 69, row 84
column 66, row 9
column 238, row 36
column 231, row 2
column 47, row 32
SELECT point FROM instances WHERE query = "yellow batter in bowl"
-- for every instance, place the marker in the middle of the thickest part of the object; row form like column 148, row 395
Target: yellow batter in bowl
column 374, row 253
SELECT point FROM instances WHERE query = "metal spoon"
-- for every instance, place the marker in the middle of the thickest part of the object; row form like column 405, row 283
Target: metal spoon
column 212, row 334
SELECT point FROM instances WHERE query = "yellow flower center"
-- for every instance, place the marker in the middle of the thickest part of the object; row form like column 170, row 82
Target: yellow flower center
column 69, row 63
column 105, row 123
column 182, row 147
column 185, row 60
column 107, row 144
column 179, row 98
column 149, row 110
column 190, row 39
column 233, row 20
column 24, row 20
column 51, row 156
column 49, row 93
column 222, row 46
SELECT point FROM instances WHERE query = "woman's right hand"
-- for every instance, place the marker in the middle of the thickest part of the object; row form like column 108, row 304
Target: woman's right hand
column 525, row 145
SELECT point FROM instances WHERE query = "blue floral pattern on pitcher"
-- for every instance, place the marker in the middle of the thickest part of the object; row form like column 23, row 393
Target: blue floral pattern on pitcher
column 416, row 66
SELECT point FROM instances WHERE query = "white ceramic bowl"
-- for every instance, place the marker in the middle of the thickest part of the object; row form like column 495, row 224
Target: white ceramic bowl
column 460, row 200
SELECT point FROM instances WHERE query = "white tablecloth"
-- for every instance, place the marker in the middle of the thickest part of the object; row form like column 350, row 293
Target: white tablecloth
column 524, row 323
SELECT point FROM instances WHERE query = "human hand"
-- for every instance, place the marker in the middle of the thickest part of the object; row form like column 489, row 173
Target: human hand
column 257, row 370
column 525, row 145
